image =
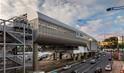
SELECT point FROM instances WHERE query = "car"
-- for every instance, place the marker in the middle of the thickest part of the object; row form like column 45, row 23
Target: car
column 98, row 70
column 83, row 61
column 99, row 55
column 92, row 61
column 108, row 67
column 74, row 71
column 85, row 72
column 96, row 57
column 67, row 67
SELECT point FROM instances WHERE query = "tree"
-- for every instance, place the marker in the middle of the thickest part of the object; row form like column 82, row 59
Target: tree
column 112, row 42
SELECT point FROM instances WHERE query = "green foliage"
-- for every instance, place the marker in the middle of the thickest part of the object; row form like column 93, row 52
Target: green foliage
column 113, row 40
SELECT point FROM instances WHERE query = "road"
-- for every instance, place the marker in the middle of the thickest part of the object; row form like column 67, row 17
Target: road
column 89, row 68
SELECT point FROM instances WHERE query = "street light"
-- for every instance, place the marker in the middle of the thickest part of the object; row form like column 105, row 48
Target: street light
column 90, row 43
column 90, row 40
column 115, row 8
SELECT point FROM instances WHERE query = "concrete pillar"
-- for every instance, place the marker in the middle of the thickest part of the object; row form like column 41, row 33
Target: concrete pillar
column 35, row 57
column 74, row 57
column 86, row 55
column 60, row 55
column 82, row 56
column 79, row 55
column 54, row 56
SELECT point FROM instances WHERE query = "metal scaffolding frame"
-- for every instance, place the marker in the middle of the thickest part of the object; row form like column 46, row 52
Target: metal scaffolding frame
column 4, row 29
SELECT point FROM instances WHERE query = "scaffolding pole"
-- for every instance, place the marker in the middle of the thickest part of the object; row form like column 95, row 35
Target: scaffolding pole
column 24, row 50
column 4, row 49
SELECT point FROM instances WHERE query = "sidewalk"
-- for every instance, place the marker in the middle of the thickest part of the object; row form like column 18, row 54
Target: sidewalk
column 117, row 65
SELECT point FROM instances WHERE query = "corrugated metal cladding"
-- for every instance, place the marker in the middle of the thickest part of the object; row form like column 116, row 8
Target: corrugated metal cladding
column 51, row 31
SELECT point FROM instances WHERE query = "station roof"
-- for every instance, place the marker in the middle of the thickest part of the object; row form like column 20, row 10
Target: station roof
column 56, row 22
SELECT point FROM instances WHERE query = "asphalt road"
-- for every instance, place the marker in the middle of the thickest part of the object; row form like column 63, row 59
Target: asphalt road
column 89, row 68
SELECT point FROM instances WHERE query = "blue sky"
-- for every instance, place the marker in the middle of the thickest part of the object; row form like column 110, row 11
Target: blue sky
column 89, row 16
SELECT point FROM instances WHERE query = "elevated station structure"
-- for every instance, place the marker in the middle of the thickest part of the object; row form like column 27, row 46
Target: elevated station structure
column 18, row 35
column 49, row 31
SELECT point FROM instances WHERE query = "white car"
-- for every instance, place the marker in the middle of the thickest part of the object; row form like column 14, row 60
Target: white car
column 92, row 61
column 67, row 67
column 108, row 67
column 83, row 61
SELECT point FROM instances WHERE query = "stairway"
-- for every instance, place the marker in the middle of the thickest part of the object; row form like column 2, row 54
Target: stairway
column 16, row 59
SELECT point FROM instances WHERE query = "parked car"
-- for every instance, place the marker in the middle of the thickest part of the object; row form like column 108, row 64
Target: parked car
column 67, row 67
column 74, row 71
column 92, row 61
column 108, row 67
column 98, row 70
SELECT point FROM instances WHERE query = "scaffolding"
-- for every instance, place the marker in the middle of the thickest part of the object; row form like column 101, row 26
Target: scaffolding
column 15, row 33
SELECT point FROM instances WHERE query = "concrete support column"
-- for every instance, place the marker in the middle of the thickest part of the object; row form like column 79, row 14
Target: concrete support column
column 79, row 56
column 54, row 56
column 86, row 55
column 76, row 57
column 60, row 55
column 82, row 56
column 35, row 57
column 72, row 56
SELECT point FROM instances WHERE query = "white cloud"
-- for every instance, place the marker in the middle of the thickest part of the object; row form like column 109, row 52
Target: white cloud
column 10, row 8
column 67, row 11
column 120, row 20
column 92, row 26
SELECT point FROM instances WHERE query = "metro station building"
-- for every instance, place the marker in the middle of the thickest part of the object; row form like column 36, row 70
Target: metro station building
column 19, row 36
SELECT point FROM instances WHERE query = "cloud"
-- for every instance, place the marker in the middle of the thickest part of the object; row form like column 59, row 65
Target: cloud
column 120, row 20
column 10, row 8
column 92, row 26
column 69, row 11
column 101, row 37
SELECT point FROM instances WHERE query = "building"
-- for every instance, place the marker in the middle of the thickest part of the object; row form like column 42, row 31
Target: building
column 42, row 32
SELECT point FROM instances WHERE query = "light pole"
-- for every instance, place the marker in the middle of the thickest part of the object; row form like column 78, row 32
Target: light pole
column 115, row 8
column 90, row 42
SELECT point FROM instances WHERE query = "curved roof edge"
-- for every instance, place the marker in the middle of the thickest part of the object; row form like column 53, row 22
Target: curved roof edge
column 54, row 21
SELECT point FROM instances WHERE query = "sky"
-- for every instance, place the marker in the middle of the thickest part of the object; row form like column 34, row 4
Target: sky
column 89, row 16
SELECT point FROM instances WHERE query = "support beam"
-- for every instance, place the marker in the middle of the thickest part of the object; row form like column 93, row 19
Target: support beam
column 35, row 57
